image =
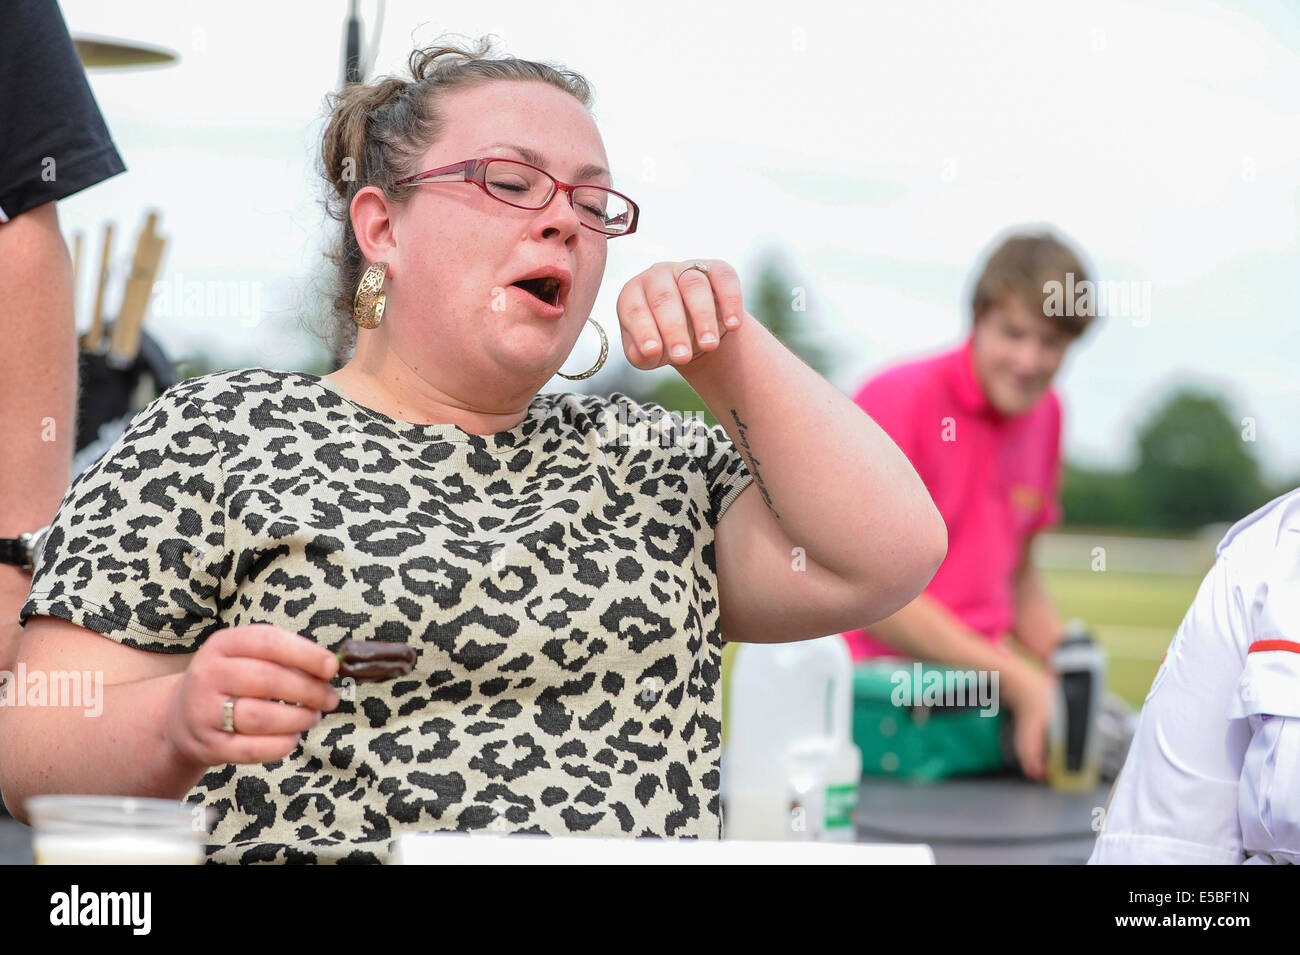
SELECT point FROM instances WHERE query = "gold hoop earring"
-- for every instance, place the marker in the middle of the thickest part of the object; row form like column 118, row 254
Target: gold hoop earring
column 368, row 303
column 604, row 351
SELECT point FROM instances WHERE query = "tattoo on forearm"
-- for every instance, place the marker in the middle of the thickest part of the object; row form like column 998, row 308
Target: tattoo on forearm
column 741, row 429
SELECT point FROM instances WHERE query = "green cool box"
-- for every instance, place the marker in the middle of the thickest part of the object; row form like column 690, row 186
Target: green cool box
column 903, row 735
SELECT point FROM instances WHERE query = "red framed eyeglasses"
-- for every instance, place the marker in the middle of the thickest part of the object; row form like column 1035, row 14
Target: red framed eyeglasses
column 525, row 186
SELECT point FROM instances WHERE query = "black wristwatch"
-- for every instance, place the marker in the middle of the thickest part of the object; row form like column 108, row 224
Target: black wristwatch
column 21, row 550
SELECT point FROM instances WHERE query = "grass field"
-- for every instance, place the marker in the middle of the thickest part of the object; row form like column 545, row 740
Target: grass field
column 1133, row 615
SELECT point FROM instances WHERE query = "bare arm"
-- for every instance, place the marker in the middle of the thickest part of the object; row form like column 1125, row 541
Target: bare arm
column 160, row 726
column 837, row 489
column 122, row 751
column 928, row 630
column 38, row 392
column 771, row 593
column 1038, row 625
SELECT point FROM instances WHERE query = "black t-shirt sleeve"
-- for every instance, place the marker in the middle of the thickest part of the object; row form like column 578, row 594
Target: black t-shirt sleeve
column 53, row 140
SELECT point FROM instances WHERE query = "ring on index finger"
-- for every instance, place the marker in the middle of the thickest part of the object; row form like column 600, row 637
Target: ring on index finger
column 228, row 716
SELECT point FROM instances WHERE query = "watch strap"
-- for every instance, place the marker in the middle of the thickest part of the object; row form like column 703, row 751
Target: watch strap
column 13, row 551
column 21, row 550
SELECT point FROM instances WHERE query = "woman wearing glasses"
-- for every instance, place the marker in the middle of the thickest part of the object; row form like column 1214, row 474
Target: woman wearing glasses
column 566, row 566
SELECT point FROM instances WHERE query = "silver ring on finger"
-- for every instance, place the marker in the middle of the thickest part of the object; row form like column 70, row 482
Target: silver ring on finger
column 694, row 265
column 228, row 716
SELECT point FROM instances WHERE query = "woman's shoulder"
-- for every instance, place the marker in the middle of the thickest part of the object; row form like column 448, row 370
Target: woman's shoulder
column 221, row 395
column 225, row 390
column 621, row 421
column 580, row 410
column 255, row 379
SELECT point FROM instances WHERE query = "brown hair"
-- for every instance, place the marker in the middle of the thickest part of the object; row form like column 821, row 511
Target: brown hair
column 377, row 131
column 1025, row 266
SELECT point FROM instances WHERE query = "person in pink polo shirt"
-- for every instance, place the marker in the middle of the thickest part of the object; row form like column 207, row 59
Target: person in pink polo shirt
column 982, row 426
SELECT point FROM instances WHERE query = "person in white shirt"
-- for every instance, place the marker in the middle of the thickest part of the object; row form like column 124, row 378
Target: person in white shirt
column 1213, row 773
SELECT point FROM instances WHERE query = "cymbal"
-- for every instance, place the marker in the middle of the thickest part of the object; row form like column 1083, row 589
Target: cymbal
column 107, row 52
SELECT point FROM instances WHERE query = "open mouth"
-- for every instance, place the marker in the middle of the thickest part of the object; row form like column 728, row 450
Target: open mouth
column 546, row 289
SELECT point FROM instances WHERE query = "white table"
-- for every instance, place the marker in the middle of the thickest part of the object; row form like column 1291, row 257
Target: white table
column 459, row 848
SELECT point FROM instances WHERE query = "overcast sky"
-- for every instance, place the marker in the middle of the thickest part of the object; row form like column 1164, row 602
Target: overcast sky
column 880, row 147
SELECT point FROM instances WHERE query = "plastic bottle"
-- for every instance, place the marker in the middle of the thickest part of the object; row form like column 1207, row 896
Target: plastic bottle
column 1072, row 763
column 791, row 769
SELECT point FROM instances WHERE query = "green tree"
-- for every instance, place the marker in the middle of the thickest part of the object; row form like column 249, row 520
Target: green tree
column 1194, row 465
column 781, row 305
column 1099, row 498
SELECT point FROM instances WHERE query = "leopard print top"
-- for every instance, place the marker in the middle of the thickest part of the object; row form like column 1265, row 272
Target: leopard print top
column 557, row 579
